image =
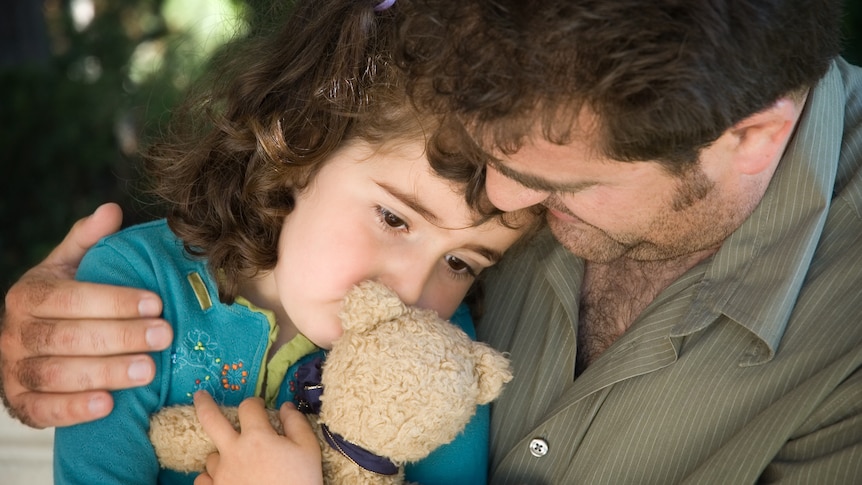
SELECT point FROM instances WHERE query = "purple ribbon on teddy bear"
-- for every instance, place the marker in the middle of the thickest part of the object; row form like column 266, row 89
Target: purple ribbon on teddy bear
column 309, row 390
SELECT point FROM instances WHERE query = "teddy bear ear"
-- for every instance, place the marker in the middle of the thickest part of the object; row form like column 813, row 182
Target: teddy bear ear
column 493, row 372
column 368, row 304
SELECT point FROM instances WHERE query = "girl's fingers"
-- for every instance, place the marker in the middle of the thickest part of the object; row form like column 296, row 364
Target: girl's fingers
column 296, row 426
column 212, row 463
column 253, row 417
column 203, row 479
column 213, row 421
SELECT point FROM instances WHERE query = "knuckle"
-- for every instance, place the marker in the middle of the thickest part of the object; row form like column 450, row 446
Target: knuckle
column 34, row 373
column 37, row 336
column 20, row 329
column 14, row 407
column 29, row 293
column 131, row 336
column 95, row 343
column 8, row 339
column 45, row 336
column 104, row 377
column 85, row 381
column 42, row 374
column 40, row 411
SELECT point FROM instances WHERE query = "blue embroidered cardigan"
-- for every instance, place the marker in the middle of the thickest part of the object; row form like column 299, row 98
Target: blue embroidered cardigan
column 220, row 348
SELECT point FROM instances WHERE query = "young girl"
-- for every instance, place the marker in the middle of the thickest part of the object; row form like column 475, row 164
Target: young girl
column 300, row 172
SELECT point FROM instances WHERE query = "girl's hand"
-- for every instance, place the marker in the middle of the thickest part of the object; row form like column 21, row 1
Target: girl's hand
column 257, row 454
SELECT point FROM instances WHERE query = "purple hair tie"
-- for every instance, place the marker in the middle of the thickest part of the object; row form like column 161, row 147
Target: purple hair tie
column 384, row 5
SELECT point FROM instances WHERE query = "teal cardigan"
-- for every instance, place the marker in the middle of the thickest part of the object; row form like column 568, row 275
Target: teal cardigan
column 219, row 348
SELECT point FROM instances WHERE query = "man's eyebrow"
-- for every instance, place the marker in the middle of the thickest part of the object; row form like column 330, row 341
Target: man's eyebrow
column 537, row 183
column 411, row 201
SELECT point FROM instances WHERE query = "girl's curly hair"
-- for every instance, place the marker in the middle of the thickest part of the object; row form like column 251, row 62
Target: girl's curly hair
column 272, row 110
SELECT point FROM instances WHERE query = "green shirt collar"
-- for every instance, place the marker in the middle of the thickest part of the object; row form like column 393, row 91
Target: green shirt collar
column 756, row 276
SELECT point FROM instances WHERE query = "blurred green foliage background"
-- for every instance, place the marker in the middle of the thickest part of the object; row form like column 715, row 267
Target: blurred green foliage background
column 83, row 82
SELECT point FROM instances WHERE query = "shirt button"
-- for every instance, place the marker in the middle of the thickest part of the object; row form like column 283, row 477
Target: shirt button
column 538, row 447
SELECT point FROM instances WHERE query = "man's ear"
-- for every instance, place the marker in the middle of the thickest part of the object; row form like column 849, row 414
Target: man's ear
column 762, row 137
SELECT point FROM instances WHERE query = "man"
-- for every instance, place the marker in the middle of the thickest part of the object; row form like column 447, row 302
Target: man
column 694, row 313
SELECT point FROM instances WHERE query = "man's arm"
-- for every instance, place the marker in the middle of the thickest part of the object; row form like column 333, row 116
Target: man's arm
column 64, row 344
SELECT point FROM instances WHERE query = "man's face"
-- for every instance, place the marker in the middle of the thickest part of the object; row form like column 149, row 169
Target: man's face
column 602, row 210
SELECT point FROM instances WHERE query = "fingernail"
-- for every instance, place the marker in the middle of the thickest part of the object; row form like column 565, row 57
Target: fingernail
column 99, row 406
column 139, row 371
column 158, row 337
column 148, row 307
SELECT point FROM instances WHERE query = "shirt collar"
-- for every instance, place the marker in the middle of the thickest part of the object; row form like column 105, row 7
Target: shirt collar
column 756, row 276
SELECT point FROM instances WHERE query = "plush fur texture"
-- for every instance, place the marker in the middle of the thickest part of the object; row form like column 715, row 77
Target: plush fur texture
column 180, row 442
column 400, row 382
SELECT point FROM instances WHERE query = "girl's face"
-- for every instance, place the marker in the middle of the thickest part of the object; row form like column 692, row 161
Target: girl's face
column 381, row 216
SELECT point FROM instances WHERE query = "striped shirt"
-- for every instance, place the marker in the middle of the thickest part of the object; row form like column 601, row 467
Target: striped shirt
column 746, row 368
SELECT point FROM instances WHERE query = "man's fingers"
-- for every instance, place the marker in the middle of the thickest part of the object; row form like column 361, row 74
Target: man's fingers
column 41, row 296
column 253, row 417
column 213, row 421
column 48, row 290
column 40, row 410
column 296, row 425
column 106, row 219
column 89, row 337
column 76, row 374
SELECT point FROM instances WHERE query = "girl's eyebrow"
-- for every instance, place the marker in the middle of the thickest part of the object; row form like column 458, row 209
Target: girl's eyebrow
column 411, row 201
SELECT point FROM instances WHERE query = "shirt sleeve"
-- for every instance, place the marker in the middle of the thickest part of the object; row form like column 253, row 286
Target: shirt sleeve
column 115, row 449
column 465, row 459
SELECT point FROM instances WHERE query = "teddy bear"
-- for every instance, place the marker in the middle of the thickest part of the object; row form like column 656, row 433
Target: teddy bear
column 397, row 384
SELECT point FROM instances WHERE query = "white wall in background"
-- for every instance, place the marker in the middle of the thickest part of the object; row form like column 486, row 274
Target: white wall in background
column 25, row 453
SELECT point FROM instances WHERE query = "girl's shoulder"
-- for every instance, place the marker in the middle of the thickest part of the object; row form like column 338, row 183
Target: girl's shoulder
column 154, row 232
column 150, row 241
column 142, row 254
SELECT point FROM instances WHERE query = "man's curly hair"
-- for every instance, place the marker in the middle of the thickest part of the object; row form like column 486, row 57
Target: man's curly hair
column 661, row 79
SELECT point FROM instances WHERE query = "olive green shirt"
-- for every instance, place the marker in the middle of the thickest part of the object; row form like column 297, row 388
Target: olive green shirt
column 745, row 369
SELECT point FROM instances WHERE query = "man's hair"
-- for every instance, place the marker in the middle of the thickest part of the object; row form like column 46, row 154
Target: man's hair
column 271, row 111
column 663, row 78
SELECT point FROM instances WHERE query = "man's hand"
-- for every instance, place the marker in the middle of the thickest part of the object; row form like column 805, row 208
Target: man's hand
column 258, row 455
column 64, row 344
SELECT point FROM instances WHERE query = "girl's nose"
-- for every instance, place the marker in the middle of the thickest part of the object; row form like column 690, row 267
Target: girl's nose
column 409, row 283
column 507, row 194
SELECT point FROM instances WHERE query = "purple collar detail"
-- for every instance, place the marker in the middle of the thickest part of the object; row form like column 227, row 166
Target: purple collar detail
column 309, row 390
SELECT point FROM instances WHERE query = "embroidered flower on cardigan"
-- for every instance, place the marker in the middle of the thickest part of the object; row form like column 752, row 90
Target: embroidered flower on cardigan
column 234, row 376
column 199, row 351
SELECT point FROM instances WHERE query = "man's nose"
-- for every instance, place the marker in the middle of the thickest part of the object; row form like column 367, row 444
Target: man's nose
column 508, row 195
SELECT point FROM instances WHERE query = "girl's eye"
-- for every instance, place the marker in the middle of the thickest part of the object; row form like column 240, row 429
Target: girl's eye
column 459, row 267
column 391, row 219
